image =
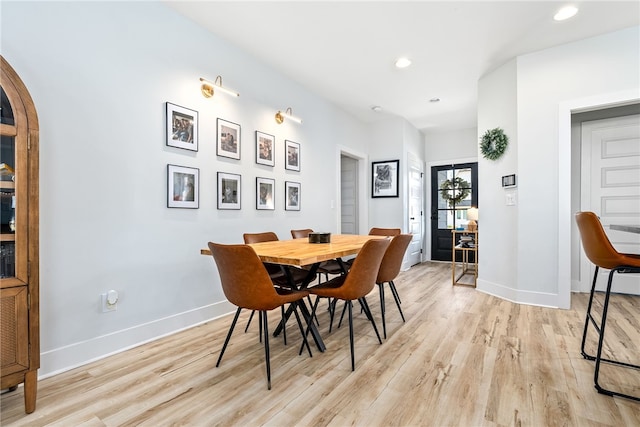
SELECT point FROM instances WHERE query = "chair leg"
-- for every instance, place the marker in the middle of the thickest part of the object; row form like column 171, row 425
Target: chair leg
column 365, row 307
column 599, row 359
column 249, row 321
column 309, row 323
column 353, row 358
column 284, row 325
column 384, row 323
column 266, row 347
column 589, row 318
column 394, row 291
column 226, row 341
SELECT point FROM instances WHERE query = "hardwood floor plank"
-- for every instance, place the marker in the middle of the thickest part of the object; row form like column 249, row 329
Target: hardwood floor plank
column 463, row 358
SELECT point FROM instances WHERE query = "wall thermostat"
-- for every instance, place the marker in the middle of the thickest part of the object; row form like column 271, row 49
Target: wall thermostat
column 509, row 181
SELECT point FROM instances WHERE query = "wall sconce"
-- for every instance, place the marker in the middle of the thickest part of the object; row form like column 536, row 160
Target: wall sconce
column 288, row 114
column 208, row 87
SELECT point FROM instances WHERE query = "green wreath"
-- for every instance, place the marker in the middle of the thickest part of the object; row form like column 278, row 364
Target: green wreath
column 457, row 186
column 493, row 144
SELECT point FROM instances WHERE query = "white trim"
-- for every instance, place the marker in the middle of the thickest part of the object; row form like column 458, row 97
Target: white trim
column 541, row 299
column 71, row 356
column 565, row 217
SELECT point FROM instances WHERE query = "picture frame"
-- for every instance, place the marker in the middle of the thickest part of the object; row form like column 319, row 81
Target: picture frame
column 229, row 190
column 265, row 149
column 182, row 127
column 292, row 155
column 183, row 184
column 229, row 139
column 292, row 193
column 265, row 193
column 384, row 178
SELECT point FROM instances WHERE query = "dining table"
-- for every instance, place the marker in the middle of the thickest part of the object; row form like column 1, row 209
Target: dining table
column 302, row 253
column 627, row 228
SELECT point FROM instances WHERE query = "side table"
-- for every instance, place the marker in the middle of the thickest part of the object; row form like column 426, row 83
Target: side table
column 466, row 242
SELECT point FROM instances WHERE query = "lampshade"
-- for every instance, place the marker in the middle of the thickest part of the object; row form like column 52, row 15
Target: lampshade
column 472, row 214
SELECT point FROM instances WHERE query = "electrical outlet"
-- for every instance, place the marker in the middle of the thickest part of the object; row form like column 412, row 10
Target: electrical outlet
column 104, row 303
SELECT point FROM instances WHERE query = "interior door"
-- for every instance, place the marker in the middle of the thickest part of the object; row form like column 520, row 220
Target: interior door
column 416, row 217
column 610, row 187
column 349, row 195
column 454, row 189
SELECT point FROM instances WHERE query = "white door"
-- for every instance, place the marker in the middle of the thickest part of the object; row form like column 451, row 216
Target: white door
column 416, row 210
column 610, row 187
column 349, row 195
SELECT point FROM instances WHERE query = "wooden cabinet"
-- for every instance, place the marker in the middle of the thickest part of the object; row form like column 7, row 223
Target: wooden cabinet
column 464, row 255
column 19, row 271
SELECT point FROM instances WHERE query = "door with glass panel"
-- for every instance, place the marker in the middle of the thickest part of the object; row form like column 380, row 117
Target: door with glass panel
column 454, row 189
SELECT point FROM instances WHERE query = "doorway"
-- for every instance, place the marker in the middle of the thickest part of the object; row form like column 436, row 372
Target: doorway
column 349, row 195
column 454, row 189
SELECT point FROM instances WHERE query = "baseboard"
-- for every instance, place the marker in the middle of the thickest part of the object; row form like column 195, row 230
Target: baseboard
column 541, row 299
column 65, row 358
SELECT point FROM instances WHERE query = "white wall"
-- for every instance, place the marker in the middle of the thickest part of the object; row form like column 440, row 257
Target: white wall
column 100, row 74
column 442, row 147
column 550, row 83
column 497, row 104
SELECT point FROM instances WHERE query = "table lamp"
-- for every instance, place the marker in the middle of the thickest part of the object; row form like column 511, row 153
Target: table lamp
column 472, row 216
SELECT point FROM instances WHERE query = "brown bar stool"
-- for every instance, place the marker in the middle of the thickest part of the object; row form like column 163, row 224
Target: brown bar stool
column 602, row 254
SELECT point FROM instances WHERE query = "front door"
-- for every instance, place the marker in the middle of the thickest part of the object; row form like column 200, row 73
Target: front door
column 454, row 189
column 610, row 187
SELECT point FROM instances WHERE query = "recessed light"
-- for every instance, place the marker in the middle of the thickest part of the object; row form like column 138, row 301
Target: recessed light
column 434, row 100
column 376, row 108
column 403, row 62
column 565, row 13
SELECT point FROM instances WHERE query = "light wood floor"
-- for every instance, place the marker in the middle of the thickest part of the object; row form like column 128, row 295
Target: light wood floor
column 463, row 358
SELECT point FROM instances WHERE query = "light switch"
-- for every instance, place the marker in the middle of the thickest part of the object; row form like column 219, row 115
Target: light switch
column 510, row 198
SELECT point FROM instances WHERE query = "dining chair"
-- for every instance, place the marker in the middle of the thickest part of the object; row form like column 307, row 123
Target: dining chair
column 376, row 231
column 354, row 285
column 278, row 274
column 246, row 284
column 328, row 267
column 389, row 270
column 602, row 254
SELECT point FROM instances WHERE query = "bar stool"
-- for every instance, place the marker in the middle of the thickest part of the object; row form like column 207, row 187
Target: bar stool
column 602, row 254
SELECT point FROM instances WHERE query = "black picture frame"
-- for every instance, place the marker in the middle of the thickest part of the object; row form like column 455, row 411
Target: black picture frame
column 292, row 195
column 182, row 127
column 229, row 191
column 385, row 178
column 265, row 193
column 265, row 149
column 229, row 139
column 292, row 156
column 183, row 187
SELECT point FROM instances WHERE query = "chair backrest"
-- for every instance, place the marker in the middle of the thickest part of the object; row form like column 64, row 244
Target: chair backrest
column 595, row 242
column 376, row 231
column 363, row 272
column 267, row 236
column 245, row 281
column 301, row 234
column 392, row 260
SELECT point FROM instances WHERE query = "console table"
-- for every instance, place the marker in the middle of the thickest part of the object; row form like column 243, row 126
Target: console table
column 469, row 250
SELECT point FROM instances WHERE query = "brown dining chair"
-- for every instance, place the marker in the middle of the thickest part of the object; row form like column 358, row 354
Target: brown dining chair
column 376, row 231
column 354, row 285
column 328, row 267
column 389, row 270
column 602, row 254
column 246, row 284
column 278, row 274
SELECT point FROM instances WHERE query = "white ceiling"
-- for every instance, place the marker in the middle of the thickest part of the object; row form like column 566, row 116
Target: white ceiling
column 345, row 51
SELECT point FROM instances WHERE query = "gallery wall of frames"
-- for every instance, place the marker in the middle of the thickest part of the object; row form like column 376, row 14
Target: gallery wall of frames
column 183, row 182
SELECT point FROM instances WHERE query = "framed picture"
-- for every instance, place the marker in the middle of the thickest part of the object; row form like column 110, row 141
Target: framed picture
column 292, row 196
column 182, row 127
column 182, row 187
column 265, row 149
column 229, row 191
column 384, row 179
column 265, row 193
column 292, row 155
column 228, row 139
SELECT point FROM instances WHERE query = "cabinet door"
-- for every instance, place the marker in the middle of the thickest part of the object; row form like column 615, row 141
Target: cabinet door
column 15, row 325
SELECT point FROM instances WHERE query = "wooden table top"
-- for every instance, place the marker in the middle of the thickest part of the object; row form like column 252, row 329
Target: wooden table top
column 301, row 252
